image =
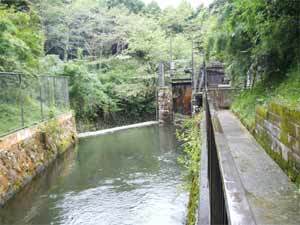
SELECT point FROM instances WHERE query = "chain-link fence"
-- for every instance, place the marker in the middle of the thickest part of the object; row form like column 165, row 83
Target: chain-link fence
column 26, row 100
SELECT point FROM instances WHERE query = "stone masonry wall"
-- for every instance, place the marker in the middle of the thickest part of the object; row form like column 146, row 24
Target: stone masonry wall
column 27, row 152
column 165, row 108
column 278, row 130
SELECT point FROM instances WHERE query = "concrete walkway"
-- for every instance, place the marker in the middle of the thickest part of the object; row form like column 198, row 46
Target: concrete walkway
column 272, row 197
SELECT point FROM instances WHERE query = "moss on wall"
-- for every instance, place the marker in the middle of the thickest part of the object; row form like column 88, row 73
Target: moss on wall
column 289, row 167
column 287, row 121
column 27, row 152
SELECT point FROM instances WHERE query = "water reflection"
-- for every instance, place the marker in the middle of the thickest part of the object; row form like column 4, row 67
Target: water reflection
column 130, row 177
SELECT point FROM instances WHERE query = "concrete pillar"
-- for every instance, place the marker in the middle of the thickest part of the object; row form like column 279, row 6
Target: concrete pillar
column 165, row 105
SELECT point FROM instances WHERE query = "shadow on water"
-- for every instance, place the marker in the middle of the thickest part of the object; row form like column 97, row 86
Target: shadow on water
column 129, row 177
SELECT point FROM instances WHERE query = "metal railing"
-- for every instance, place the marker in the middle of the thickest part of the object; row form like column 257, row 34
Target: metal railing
column 216, row 193
column 26, row 100
column 226, row 202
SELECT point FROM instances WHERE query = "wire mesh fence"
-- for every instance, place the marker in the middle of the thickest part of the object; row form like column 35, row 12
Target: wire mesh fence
column 26, row 100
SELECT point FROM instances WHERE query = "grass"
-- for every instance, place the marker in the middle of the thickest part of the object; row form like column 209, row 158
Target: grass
column 286, row 92
column 10, row 115
column 189, row 135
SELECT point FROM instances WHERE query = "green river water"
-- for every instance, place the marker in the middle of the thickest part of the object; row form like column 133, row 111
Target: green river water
column 126, row 178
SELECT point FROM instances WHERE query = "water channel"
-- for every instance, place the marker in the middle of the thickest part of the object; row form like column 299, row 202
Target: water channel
column 126, row 178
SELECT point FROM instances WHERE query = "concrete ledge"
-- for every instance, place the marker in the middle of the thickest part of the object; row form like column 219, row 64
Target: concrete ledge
column 237, row 205
column 204, row 204
column 112, row 130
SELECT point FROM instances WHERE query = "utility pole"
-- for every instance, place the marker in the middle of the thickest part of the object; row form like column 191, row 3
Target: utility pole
column 161, row 75
column 171, row 57
column 193, row 72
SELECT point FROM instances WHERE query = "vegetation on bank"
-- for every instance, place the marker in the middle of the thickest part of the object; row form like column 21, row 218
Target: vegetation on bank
column 189, row 135
column 255, row 39
column 284, row 91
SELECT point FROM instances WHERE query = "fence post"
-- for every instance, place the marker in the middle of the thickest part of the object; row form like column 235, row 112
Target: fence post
column 67, row 100
column 41, row 100
column 21, row 101
column 54, row 92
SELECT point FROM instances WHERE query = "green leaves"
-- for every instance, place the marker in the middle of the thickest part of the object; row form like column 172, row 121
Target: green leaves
column 258, row 34
column 20, row 41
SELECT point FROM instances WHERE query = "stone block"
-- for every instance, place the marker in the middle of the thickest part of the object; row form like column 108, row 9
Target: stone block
column 273, row 129
column 261, row 111
column 259, row 120
column 275, row 108
column 293, row 116
column 165, row 107
column 296, row 146
column 295, row 159
column 276, row 145
column 297, row 127
column 274, row 119
column 289, row 128
column 285, row 152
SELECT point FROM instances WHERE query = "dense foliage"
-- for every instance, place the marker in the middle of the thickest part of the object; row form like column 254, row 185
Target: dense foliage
column 21, row 40
column 258, row 37
column 259, row 43
column 285, row 93
column 110, row 50
column 189, row 135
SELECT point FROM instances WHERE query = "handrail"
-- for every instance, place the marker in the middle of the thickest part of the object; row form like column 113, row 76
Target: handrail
column 228, row 203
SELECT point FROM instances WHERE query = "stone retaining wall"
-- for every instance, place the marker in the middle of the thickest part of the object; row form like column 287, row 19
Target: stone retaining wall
column 165, row 105
column 27, row 152
column 277, row 128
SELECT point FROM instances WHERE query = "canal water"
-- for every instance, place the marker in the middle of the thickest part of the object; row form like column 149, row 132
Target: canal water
column 126, row 178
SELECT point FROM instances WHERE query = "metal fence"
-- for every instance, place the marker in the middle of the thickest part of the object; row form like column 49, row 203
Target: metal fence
column 216, row 193
column 26, row 100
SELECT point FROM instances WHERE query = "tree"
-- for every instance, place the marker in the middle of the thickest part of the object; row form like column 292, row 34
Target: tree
column 152, row 9
column 21, row 5
column 20, row 43
column 255, row 37
column 134, row 6
column 175, row 20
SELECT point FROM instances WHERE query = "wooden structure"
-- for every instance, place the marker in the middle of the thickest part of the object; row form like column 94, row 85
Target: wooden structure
column 182, row 96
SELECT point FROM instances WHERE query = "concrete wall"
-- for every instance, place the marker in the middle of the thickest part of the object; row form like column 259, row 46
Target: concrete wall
column 165, row 106
column 278, row 130
column 27, row 152
column 222, row 97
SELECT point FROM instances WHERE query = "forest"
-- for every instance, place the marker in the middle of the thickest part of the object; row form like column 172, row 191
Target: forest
column 110, row 50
